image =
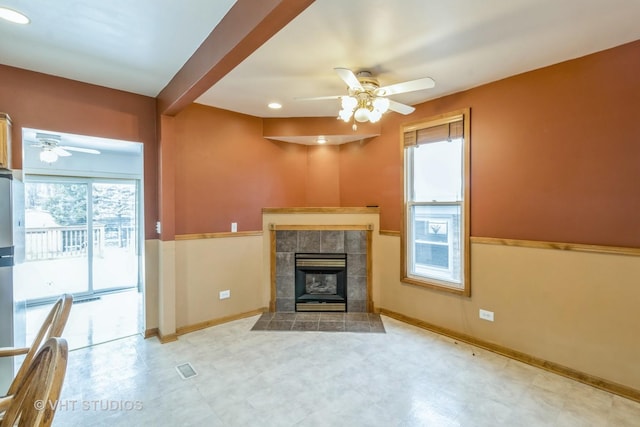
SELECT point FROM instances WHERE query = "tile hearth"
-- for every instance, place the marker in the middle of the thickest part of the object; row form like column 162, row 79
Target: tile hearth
column 324, row 322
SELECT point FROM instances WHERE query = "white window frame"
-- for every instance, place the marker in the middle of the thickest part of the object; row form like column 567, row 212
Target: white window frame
column 434, row 270
column 433, row 277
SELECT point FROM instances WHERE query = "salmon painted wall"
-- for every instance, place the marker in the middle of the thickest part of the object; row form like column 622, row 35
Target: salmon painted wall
column 370, row 174
column 227, row 172
column 323, row 176
column 554, row 154
column 41, row 101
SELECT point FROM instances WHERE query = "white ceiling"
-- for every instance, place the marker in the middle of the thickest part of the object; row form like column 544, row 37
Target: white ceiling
column 132, row 45
column 138, row 46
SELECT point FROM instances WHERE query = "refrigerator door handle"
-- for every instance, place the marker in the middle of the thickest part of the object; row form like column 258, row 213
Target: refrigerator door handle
column 6, row 251
column 6, row 256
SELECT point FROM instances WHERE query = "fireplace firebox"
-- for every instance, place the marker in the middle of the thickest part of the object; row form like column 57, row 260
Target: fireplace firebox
column 321, row 281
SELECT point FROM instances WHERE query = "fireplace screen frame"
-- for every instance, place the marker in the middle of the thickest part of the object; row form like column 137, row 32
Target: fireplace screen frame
column 320, row 264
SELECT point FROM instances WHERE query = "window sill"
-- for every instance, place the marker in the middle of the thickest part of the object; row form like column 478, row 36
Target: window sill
column 438, row 286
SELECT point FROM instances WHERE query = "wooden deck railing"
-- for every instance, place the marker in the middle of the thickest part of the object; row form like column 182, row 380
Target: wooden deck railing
column 61, row 242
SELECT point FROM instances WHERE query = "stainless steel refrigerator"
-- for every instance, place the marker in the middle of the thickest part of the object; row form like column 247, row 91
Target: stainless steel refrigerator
column 12, row 241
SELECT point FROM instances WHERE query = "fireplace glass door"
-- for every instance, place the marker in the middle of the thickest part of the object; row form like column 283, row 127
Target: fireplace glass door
column 321, row 281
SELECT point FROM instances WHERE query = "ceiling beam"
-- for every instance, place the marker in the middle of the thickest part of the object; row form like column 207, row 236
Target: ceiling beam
column 247, row 25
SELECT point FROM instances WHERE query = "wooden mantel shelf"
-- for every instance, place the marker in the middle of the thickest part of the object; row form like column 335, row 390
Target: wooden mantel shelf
column 323, row 210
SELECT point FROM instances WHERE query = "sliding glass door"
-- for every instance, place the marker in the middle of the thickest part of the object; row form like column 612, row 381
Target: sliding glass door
column 81, row 236
column 114, row 220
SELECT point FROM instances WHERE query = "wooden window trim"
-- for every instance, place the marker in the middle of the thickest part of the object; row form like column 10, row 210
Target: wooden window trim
column 465, row 113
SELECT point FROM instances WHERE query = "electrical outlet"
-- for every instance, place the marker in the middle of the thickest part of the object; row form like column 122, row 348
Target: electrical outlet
column 234, row 227
column 158, row 227
column 486, row 315
column 225, row 294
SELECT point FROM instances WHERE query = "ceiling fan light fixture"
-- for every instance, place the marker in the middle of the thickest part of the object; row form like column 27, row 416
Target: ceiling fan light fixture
column 381, row 104
column 375, row 116
column 48, row 156
column 362, row 114
column 345, row 115
column 349, row 102
column 365, row 108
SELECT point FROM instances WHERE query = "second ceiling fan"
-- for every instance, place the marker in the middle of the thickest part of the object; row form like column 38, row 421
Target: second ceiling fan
column 51, row 148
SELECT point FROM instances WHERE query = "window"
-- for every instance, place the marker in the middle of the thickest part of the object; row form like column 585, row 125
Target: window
column 435, row 235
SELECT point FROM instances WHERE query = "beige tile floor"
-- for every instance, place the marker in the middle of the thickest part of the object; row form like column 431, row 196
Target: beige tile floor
column 404, row 377
column 110, row 317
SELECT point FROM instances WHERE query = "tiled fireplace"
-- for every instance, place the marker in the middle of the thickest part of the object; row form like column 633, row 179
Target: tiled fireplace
column 317, row 257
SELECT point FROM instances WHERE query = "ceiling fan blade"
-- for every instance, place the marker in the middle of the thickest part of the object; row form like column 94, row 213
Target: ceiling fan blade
column 410, row 86
column 319, row 98
column 401, row 108
column 60, row 151
column 349, row 78
column 80, row 149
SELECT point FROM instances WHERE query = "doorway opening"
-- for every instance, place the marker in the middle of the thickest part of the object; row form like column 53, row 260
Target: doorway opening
column 84, row 236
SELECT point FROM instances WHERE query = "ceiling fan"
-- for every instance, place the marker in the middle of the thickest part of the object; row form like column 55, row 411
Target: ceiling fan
column 51, row 148
column 367, row 100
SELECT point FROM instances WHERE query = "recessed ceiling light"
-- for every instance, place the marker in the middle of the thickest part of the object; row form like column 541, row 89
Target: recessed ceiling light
column 13, row 16
column 274, row 105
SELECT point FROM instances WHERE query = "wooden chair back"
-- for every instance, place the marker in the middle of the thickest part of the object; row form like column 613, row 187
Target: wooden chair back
column 36, row 399
column 53, row 326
